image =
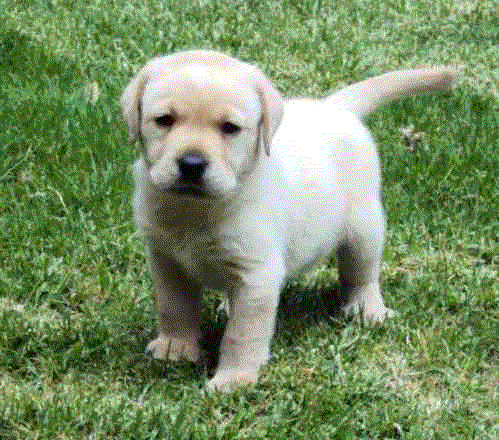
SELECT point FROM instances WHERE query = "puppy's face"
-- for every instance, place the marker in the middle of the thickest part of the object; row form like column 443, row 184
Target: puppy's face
column 203, row 118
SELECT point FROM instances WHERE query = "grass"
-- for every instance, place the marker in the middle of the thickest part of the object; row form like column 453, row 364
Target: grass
column 75, row 293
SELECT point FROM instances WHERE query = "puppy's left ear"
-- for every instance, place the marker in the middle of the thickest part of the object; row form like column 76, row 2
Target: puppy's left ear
column 130, row 102
column 272, row 109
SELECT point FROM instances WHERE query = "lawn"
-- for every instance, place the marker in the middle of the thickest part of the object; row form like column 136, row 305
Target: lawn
column 76, row 309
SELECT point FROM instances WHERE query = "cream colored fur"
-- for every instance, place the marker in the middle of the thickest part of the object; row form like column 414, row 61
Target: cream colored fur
column 298, row 181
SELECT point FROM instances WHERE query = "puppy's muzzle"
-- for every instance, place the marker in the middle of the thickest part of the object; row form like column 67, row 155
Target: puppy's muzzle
column 191, row 170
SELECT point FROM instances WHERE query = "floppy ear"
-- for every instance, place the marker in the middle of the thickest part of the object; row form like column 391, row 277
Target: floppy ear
column 130, row 102
column 272, row 109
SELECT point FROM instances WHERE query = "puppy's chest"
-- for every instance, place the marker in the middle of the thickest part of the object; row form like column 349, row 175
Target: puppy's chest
column 214, row 259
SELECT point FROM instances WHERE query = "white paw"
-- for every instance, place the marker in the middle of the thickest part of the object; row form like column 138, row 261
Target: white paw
column 371, row 314
column 367, row 301
column 378, row 314
column 227, row 380
column 173, row 349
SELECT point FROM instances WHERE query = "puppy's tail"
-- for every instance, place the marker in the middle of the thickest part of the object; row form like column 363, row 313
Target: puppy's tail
column 363, row 97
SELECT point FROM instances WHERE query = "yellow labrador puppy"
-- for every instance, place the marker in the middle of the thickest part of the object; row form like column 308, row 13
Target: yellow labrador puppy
column 238, row 190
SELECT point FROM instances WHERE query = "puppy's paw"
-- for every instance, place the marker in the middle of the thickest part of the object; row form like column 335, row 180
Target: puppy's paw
column 173, row 349
column 227, row 380
column 378, row 314
column 371, row 315
column 367, row 301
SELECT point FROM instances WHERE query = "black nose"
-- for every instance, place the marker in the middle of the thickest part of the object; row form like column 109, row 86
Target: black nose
column 191, row 167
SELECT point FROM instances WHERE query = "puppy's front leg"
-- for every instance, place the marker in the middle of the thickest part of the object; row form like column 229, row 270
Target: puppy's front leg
column 246, row 343
column 177, row 303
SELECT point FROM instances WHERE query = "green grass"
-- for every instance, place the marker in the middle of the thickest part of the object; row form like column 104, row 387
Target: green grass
column 75, row 293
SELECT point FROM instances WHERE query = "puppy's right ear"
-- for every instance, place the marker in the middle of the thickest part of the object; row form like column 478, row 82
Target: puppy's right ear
column 131, row 101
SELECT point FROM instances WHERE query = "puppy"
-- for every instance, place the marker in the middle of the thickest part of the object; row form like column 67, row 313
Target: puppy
column 237, row 190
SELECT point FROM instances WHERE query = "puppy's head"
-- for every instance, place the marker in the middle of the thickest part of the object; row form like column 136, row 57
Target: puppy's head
column 202, row 118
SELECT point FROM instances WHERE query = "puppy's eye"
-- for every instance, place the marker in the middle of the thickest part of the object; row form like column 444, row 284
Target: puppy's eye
column 165, row 121
column 229, row 128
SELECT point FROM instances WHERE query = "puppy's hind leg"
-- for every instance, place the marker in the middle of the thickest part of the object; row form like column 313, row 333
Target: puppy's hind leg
column 359, row 258
column 177, row 304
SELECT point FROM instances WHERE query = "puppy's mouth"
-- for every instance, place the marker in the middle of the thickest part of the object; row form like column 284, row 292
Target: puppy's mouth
column 190, row 189
column 184, row 187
